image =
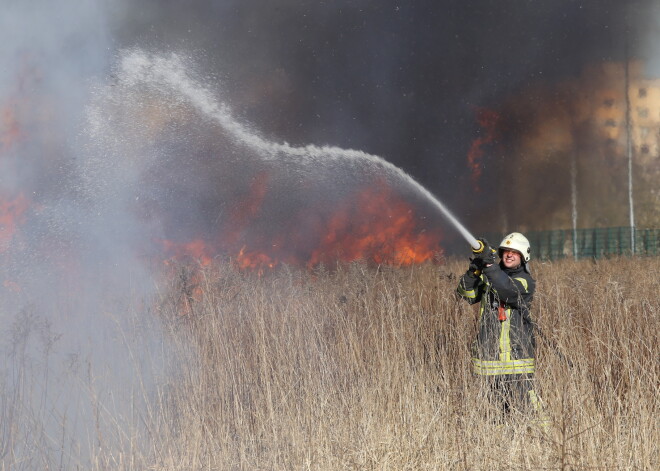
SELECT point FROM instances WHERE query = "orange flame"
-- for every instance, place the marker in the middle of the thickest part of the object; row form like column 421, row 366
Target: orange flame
column 254, row 260
column 375, row 225
column 11, row 216
column 379, row 228
column 12, row 286
column 197, row 250
column 189, row 279
column 245, row 211
column 488, row 120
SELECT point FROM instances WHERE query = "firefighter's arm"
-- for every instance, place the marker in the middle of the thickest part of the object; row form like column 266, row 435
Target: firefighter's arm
column 516, row 292
column 470, row 287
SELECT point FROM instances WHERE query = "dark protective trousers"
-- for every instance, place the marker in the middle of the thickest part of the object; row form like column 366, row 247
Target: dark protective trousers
column 513, row 394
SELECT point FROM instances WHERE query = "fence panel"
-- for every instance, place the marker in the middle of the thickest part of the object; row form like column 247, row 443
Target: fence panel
column 591, row 243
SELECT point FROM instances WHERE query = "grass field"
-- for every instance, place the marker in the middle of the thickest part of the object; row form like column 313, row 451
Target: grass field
column 366, row 368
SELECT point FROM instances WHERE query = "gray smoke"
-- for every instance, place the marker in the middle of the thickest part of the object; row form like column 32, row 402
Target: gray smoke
column 89, row 183
column 396, row 79
column 72, row 375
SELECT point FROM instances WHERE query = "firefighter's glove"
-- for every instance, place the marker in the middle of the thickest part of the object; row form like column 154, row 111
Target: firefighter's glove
column 488, row 257
column 484, row 246
column 485, row 257
column 475, row 265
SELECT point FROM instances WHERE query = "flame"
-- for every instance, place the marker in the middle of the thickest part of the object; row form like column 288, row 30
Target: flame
column 254, row 260
column 198, row 250
column 374, row 225
column 488, row 121
column 188, row 277
column 570, row 139
column 247, row 209
column 12, row 286
column 12, row 214
column 377, row 227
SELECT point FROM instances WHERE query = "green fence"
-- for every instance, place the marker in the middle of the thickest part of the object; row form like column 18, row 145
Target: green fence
column 593, row 243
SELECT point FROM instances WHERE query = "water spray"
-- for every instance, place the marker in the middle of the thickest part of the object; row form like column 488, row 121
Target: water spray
column 476, row 244
column 171, row 72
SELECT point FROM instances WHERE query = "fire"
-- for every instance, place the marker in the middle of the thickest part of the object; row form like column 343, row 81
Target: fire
column 197, row 250
column 12, row 286
column 378, row 228
column 254, row 260
column 488, row 120
column 12, row 214
column 247, row 210
column 187, row 277
column 374, row 225
column 570, row 139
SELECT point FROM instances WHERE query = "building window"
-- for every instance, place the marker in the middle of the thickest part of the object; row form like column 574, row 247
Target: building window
column 643, row 132
column 643, row 112
column 610, row 123
column 645, row 149
column 608, row 103
column 642, row 92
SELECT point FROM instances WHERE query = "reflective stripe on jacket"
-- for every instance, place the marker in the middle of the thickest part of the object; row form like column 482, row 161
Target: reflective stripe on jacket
column 502, row 346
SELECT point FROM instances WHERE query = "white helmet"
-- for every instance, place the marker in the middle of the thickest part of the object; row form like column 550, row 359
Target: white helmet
column 518, row 242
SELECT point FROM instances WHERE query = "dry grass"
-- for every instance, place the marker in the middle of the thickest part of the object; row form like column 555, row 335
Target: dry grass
column 364, row 368
column 369, row 369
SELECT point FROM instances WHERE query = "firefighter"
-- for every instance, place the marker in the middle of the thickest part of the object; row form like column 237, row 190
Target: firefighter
column 503, row 353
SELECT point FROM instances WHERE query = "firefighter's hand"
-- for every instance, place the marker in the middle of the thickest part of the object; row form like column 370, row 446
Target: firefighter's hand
column 484, row 246
column 476, row 265
column 488, row 257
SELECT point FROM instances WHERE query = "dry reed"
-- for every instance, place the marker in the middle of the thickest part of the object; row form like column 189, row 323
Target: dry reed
column 364, row 368
column 369, row 368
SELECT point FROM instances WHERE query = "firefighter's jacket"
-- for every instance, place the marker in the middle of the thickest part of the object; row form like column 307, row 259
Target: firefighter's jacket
column 505, row 342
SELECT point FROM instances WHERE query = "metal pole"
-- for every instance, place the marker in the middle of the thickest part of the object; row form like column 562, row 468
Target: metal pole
column 574, row 213
column 629, row 149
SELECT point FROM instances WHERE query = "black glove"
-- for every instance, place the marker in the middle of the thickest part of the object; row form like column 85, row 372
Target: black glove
column 476, row 265
column 488, row 257
column 485, row 257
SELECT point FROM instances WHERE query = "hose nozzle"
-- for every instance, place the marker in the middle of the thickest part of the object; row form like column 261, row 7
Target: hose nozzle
column 480, row 248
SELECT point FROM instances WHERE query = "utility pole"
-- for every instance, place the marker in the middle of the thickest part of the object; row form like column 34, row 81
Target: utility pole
column 574, row 212
column 574, row 175
column 629, row 146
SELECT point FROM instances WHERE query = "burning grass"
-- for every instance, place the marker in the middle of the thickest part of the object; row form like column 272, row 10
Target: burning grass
column 365, row 368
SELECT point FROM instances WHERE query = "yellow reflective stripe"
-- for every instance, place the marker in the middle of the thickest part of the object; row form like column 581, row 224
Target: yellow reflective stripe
column 524, row 283
column 543, row 420
column 488, row 368
column 505, row 339
column 468, row 294
column 534, row 400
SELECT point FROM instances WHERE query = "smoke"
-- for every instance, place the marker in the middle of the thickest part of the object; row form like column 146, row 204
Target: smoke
column 181, row 160
column 103, row 166
column 649, row 46
column 72, row 369
column 399, row 80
